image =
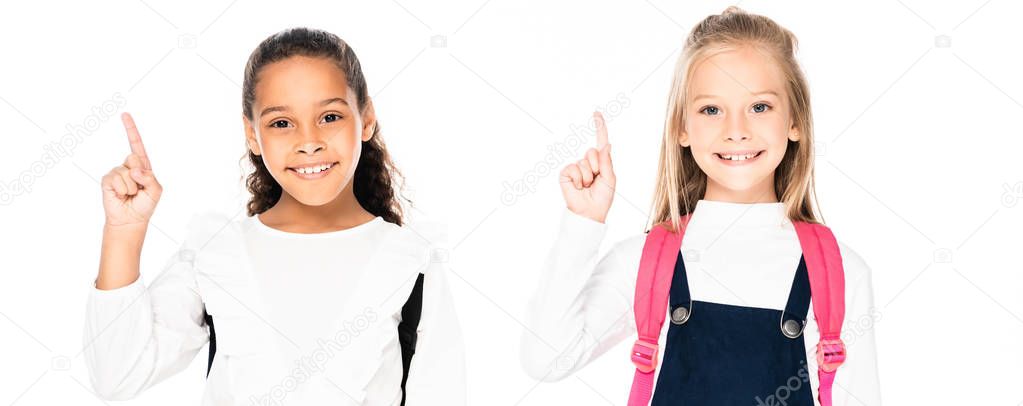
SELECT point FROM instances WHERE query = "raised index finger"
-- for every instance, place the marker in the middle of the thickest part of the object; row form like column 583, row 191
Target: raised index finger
column 598, row 120
column 134, row 139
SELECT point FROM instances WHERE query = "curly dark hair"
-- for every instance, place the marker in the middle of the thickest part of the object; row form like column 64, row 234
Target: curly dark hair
column 376, row 177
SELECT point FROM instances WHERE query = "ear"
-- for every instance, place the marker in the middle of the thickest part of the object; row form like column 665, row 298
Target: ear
column 683, row 139
column 250, row 136
column 794, row 134
column 369, row 120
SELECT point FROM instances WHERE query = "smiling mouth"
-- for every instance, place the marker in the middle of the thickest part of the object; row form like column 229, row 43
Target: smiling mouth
column 313, row 171
column 739, row 156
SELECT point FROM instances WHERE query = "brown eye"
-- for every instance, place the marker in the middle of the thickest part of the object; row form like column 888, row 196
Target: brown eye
column 279, row 124
column 330, row 118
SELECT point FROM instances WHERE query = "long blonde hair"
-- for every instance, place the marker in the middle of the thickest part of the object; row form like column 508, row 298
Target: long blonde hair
column 680, row 181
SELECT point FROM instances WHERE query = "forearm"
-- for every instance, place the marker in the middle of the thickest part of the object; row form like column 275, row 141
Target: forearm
column 580, row 308
column 119, row 256
column 137, row 335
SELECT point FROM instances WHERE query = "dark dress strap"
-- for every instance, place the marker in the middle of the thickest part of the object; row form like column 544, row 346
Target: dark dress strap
column 408, row 330
column 213, row 340
column 794, row 315
column 680, row 301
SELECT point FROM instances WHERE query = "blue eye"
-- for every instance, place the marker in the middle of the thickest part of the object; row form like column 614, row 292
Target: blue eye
column 709, row 110
column 755, row 110
column 330, row 118
column 279, row 124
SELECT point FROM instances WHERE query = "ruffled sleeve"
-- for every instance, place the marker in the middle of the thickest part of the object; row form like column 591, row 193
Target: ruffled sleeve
column 437, row 373
column 136, row 336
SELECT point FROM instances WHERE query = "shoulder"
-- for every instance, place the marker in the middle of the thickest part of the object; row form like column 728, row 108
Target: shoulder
column 422, row 241
column 855, row 267
column 204, row 226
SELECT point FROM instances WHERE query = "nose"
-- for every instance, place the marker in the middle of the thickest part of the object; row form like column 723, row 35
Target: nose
column 736, row 128
column 311, row 142
column 310, row 147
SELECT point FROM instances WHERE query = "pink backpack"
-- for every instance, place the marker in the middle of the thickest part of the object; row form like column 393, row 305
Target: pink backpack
column 656, row 267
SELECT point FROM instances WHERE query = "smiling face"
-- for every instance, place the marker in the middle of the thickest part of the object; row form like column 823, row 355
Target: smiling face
column 307, row 127
column 738, row 123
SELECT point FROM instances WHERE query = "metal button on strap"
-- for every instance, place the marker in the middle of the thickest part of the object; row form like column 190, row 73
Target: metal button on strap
column 680, row 315
column 792, row 328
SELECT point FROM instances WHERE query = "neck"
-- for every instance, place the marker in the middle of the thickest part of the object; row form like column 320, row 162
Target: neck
column 763, row 192
column 343, row 212
column 722, row 216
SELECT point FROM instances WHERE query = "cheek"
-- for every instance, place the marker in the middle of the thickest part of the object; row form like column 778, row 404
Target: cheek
column 774, row 132
column 275, row 152
column 699, row 125
column 344, row 140
column 702, row 133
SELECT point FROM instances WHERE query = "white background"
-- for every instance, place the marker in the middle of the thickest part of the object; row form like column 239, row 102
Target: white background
column 919, row 158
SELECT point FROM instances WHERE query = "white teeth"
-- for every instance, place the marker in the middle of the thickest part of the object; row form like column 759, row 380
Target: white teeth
column 738, row 157
column 313, row 169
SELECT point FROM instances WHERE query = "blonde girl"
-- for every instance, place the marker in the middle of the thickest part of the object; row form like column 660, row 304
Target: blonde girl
column 737, row 161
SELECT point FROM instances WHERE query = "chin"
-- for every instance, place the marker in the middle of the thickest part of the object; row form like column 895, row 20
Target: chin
column 738, row 186
column 317, row 198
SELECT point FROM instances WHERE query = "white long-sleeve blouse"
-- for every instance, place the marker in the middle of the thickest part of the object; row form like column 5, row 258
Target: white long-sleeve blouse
column 298, row 318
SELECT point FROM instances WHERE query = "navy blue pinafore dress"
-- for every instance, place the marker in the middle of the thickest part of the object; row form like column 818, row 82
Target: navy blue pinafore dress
column 720, row 354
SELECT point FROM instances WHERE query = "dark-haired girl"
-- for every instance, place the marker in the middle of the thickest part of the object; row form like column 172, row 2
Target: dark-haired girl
column 321, row 295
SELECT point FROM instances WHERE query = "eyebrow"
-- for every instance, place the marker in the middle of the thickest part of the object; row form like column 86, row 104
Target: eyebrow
column 325, row 102
column 770, row 92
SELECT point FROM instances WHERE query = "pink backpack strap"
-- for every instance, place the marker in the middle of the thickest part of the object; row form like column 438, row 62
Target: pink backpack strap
column 827, row 290
column 656, row 267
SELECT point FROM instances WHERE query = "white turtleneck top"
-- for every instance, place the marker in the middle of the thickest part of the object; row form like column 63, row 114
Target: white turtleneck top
column 735, row 253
